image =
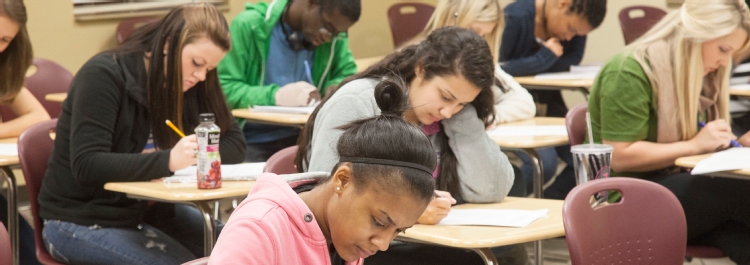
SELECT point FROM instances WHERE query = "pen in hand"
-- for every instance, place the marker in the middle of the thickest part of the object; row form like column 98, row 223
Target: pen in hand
column 733, row 142
column 174, row 128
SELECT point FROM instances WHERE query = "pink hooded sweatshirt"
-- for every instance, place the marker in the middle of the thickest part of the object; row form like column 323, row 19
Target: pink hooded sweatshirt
column 272, row 226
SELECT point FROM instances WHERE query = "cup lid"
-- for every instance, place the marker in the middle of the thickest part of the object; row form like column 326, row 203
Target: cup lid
column 591, row 148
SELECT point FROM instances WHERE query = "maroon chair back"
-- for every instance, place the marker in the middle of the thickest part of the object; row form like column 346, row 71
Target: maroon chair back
column 126, row 27
column 5, row 250
column 34, row 149
column 282, row 162
column 50, row 77
column 647, row 225
column 636, row 20
column 575, row 123
column 407, row 20
column 201, row 261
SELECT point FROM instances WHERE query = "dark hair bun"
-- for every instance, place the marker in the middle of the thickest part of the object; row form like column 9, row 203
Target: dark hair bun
column 391, row 97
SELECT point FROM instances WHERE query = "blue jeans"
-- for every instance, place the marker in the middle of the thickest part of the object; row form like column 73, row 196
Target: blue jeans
column 548, row 156
column 172, row 238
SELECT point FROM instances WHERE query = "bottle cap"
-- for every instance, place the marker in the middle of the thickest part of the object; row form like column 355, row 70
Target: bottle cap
column 204, row 117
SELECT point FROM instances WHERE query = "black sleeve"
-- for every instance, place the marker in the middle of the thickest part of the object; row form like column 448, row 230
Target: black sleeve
column 232, row 145
column 97, row 92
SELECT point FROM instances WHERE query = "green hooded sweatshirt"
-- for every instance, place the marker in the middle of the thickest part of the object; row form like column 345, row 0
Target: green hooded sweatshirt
column 242, row 72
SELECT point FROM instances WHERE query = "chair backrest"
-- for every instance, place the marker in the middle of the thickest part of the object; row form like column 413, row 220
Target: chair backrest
column 201, row 261
column 5, row 250
column 636, row 20
column 34, row 149
column 407, row 20
column 647, row 225
column 575, row 123
column 126, row 26
column 50, row 77
column 282, row 162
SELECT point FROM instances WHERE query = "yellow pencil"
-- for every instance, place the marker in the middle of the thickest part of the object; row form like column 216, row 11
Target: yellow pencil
column 174, row 128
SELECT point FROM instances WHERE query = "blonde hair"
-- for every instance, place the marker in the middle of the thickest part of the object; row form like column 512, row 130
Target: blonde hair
column 469, row 11
column 684, row 30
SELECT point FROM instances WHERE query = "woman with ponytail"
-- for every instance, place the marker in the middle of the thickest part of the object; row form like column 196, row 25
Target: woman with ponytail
column 379, row 184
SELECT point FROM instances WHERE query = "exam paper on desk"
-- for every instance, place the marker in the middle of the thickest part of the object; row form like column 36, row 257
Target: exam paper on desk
column 280, row 109
column 730, row 159
column 244, row 171
column 491, row 217
column 538, row 130
column 9, row 149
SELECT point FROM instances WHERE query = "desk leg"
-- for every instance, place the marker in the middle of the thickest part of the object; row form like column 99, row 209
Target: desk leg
column 12, row 213
column 208, row 226
column 538, row 172
column 538, row 258
column 487, row 255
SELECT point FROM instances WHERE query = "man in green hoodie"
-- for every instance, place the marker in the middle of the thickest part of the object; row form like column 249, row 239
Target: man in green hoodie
column 285, row 53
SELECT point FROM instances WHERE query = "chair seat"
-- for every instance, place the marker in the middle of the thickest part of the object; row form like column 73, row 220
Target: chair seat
column 703, row 252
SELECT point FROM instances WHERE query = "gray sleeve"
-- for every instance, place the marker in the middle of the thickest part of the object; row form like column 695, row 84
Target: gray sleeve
column 336, row 112
column 485, row 173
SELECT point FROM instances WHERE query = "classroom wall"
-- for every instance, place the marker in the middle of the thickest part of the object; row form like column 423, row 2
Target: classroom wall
column 56, row 35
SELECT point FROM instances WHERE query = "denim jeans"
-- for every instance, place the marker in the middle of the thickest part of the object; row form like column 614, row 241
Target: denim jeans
column 173, row 238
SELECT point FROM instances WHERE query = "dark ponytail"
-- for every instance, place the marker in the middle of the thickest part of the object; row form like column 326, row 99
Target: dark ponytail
column 388, row 150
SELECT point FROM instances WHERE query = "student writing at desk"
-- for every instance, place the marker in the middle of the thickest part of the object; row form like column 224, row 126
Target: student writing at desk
column 512, row 101
column 286, row 53
column 117, row 106
column 548, row 36
column 374, row 193
column 448, row 77
column 647, row 102
column 15, row 58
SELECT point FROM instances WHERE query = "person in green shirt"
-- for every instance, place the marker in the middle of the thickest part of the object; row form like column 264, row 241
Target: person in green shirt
column 285, row 53
column 647, row 102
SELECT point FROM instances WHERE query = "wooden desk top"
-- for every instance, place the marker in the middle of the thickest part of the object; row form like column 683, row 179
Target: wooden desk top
column 492, row 236
column 573, row 83
column 739, row 92
column 530, row 141
column 180, row 192
column 691, row 161
column 363, row 63
column 272, row 118
column 56, row 97
column 8, row 160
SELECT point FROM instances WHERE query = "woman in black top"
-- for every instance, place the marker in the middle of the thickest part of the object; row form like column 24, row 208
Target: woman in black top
column 117, row 103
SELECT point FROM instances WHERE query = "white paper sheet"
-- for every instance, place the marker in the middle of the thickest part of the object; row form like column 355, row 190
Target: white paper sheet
column 487, row 217
column 9, row 149
column 742, row 68
column 279, row 109
column 740, row 87
column 539, row 130
column 739, row 80
column 730, row 159
column 576, row 72
column 244, row 171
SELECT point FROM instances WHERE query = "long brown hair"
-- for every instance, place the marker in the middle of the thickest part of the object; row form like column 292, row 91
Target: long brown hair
column 182, row 26
column 448, row 51
column 16, row 59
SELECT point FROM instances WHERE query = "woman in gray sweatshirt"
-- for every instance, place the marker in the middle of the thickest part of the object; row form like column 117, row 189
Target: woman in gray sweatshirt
column 448, row 78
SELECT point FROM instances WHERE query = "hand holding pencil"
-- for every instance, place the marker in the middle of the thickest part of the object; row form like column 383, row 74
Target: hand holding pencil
column 183, row 154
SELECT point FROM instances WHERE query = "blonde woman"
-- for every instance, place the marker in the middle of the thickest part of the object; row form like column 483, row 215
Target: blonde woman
column 648, row 101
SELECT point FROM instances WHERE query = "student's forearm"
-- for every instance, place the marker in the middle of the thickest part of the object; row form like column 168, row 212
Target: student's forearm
column 15, row 127
column 643, row 156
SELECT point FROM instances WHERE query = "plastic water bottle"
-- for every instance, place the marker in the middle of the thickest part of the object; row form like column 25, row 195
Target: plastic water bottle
column 209, row 160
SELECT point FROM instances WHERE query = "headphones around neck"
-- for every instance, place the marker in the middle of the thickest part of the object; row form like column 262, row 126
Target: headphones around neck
column 296, row 41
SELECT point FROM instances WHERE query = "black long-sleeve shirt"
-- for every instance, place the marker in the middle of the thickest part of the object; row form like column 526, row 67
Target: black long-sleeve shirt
column 101, row 133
